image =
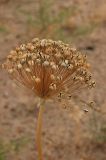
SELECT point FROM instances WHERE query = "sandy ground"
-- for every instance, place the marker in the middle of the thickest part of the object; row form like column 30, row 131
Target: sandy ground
column 66, row 135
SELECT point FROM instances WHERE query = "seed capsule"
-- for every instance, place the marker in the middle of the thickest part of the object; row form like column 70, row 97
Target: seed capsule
column 85, row 110
column 10, row 71
column 28, row 70
column 46, row 63
column 38, row 60
column 52, row 63
column 59, row 78
column 58, row 55
column 66, row 61
column 35, row 40
column 52, row 77
column 70, row 66
column 31, row 48
column 52, row 86
column 10, row 57
column 54, row 67
column 22, row 61
column 19, row 66
column 31, row 63
column 43, row 42
column 37, row 80
column 63, row 64
column 23, row 47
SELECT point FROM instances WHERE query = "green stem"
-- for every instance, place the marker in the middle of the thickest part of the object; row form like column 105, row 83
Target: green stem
column 39, row 132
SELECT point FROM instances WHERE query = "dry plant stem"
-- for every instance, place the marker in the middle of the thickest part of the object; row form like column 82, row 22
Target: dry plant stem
column 50, row 69
column 39, row 131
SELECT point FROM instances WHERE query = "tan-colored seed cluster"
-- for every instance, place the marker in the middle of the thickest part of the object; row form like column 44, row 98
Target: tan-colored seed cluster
column 49, row 68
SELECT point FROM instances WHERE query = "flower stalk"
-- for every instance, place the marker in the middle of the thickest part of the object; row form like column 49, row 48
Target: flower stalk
column 39, row 131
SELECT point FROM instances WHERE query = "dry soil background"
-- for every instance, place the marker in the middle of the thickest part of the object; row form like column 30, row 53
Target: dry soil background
column 66, row 135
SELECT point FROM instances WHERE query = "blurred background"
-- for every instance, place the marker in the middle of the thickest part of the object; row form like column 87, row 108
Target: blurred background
column 67, row 134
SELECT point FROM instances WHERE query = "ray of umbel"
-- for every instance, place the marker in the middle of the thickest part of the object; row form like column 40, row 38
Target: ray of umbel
column 51, row 69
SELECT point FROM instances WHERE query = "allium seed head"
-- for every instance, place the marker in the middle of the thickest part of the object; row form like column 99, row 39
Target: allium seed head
column 49, row 67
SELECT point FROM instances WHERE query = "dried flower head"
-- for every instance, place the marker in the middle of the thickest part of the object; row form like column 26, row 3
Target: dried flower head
column 49, row 68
